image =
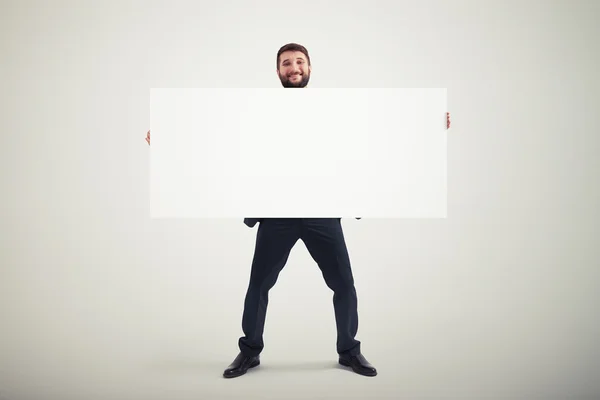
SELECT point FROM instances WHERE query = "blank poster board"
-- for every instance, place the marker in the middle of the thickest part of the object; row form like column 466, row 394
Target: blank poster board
column 370, row 153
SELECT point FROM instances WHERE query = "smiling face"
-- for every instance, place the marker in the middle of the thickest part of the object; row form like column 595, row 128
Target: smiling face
column 293, row 69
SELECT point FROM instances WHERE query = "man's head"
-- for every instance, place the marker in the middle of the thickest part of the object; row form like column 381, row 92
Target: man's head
column 293, row 66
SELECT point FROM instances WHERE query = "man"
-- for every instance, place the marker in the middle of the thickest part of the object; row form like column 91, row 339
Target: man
column 275, row 239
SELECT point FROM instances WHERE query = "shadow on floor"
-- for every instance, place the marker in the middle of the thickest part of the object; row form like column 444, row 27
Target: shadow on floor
column 182, row 365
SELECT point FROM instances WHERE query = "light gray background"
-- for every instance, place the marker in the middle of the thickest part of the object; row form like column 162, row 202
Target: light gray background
column 499, row 301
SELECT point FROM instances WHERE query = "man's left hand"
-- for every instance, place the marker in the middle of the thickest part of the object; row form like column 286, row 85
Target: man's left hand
column 447, row 120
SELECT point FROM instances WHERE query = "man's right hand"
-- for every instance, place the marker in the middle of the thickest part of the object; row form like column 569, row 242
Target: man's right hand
column 148, row 138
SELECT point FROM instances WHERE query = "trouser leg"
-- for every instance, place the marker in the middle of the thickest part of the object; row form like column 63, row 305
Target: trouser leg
column 325, row 242
column 274, row 241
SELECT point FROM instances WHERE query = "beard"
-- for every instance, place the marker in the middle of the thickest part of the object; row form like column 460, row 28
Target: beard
column 285, row 81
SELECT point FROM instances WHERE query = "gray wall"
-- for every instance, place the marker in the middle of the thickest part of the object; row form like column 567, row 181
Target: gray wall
column 98, row 301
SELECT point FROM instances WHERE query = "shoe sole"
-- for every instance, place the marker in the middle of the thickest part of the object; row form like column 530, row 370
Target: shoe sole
column 347, row 364
column 240, row 373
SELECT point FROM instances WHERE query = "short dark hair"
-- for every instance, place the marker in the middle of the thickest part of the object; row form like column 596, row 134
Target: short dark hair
column 293, row 47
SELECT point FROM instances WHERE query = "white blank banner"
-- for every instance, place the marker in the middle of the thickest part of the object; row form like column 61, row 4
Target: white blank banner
column 373, row 153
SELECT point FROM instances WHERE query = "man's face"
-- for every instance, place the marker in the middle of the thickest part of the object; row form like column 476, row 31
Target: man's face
column 294, row 71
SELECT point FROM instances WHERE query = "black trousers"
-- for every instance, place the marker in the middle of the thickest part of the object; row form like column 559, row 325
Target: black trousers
column 325, row 242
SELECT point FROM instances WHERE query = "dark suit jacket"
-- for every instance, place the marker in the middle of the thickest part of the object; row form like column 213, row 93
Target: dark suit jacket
column 253, row 221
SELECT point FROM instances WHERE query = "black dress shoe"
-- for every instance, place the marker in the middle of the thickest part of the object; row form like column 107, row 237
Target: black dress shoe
column 241, row 365
column 359, row 364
